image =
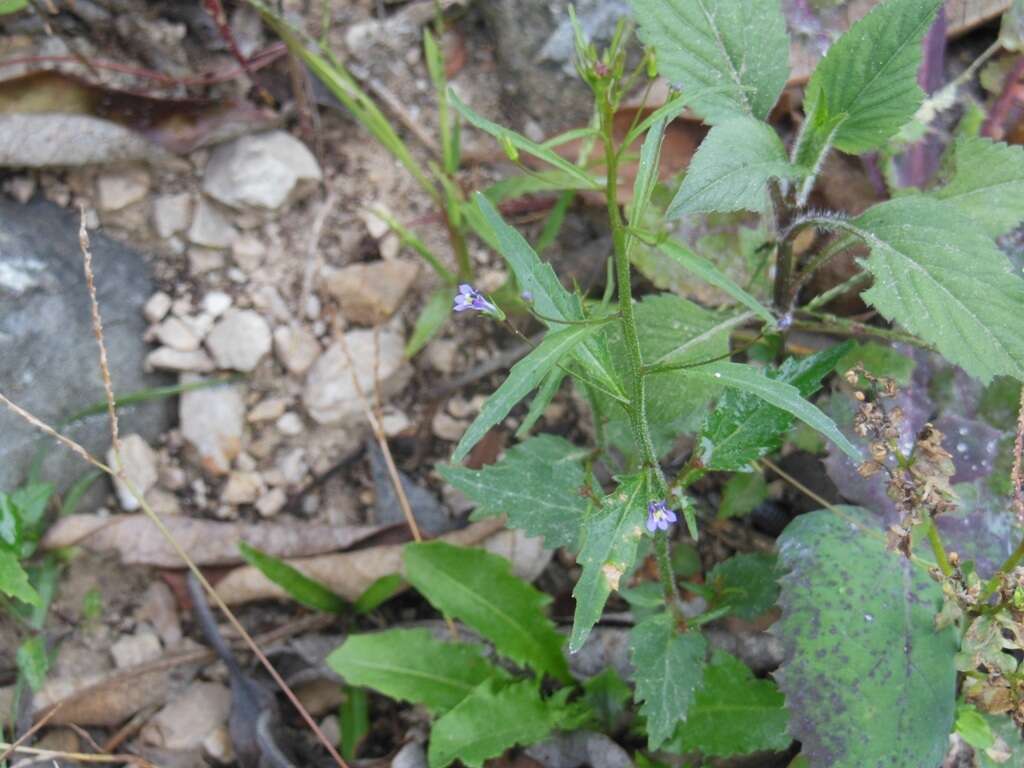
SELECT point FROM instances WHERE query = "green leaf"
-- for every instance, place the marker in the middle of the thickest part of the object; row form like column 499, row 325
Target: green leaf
column 973, row 727
column 669, row 667
column 431, row 320
column 646, row 172
column 545, row 394
column 744, row 427
column 1008, row 743
column 14, row 580
column 609, row 539
column 539, row 484
column 742, row 494
column 865, row 89
column 740, row 45
column 987, row 184
column 300, row 587
column 10, row 524
column 480, row 589
column 878, row 360
column 507, row 137
column 412, row 665
column 732, row 168
column 493, row 718
column 733, row 713
column 33, row 661
column 354, row 715
column 378, row 593
column 710, row 274
column 12, row 6
column 745, row 583
column 522, row 379
column 868, row 680
column 607, row 695
column 778, row 393
column 945, row 282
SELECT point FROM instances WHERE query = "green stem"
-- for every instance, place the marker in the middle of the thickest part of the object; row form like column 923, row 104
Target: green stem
column 1011, row 562
column 825, row 323
column 668, row 582
column 939, row 550
column 458, row 241
column 847, row 285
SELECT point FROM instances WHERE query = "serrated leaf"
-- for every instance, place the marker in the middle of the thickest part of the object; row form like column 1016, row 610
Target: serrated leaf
column 945, row 282
column 301, row 588
column 493, row 718
column 432, row 317
column 539, row 484
column 739, row 45
column 987, row 183
column 865, row 89
column 479, row 588
column 745, row 583
column 412, row 665
column 778, row 393
column 669, row 668
column 522, row 379
column 14, row 581
column 744, row 427
column 731, row 169
column 710, row 274
column 608, row 544
column 733, row 713
column 868, row 680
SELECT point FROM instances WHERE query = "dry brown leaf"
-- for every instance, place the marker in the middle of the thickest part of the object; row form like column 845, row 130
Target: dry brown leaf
column 348, row 574
column 208, row 542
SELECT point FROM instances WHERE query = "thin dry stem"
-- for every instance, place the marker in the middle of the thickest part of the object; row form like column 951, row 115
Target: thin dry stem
column 313, row 253
column 80, row 757
column 1017, row 475
column 28, row 734
column 46, row 428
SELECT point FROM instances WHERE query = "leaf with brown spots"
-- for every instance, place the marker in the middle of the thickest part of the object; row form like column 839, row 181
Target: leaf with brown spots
column 868, row 680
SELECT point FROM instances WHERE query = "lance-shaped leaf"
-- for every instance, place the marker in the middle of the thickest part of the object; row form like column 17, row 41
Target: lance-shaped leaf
column 668, row 669
column 608, row 545
column 539, row 484
column 987, row 183
column 306, row 591
column 744, row 427
column 868, row 679
column 480, row 589
column 412, row 665
column 733, row 713
column 739, row 46
column 946, row 282
column 522, row 379
column 784, row 396
column 732, row 168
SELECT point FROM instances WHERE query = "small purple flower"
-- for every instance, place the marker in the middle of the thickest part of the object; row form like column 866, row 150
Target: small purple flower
column 470, row 298
column 527, row 297
column 659, row 516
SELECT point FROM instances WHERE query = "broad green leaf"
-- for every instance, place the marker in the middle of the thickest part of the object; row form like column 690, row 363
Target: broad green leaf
column 608, row 545
column 709, row 273
column 432, row 317
column 493, row 718
column 732, row 168
column 33, row 661
column 668, row 669
column 539, row 484
column 354, row 714
column 522, row 379
column 14, row 580
column 973, row 727
column 987, row 184
column 480, row 589
column 507, row 137
column 778, row 393
column 878, row 360
column 412, row 665
column 868, row 680
column 12, row 6
column 865, row 89
column 740, row 46
column 545, row 394
column 742, row 494
column 733, row 713
column 745, row 583
column 744, row 427
column 947, row 283
column 1008, row 746
column 301, row 588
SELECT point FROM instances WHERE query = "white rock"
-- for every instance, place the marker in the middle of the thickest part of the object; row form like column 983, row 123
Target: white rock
column 293, row 466
column 375, row 225
column 290, row 424
column 131, row 650
column 248, row 251
column 216, row 303
column 167, row 359
column 268, row 410
column 446, row 427
column 441, row 354
column 157, row 307
column 202, row 260
column 218, row 745
column 369, row 294
column 271, row 502
column 175, row 334
column 260, row 171
column 138, row 461
column 212, row 420
column 239, row 340
column 242, row 488
column 330, row 395
column 164, row 503
column 186, row 721
column 160, row 609
column 390, row 247
column 394, row 422
column 210, row 227
column 296, row 347
column 171, row 214
column 119, row 189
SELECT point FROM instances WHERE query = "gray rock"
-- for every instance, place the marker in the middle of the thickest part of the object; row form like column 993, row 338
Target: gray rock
column 50, row 362
column 210, row 228
column 369, row 294
column 430, row 514
column 212, row 422
column 171, row 213
column 239, row 340
column 119, row 189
